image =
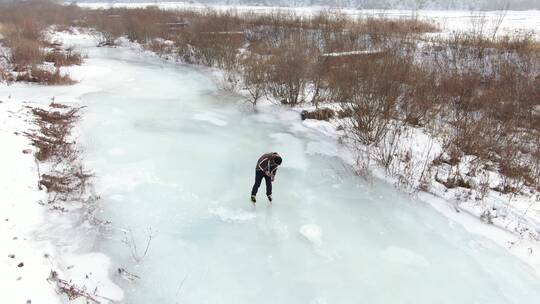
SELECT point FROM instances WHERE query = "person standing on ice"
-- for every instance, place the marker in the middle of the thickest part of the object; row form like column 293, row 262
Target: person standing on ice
column 266, row 168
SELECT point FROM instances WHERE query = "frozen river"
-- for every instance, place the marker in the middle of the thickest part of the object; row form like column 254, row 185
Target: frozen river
column 175, row 155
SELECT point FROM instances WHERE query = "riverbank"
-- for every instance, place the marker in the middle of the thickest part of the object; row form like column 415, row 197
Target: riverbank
column 47, row 232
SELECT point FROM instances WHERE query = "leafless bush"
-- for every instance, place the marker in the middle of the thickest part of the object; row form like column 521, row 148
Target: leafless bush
column 52, row 138
column 72, row 291
column 43, row 76
column 319, row 114
column 24, row 23
column 25, row 53
column 254, row 76
column 65, row 57
column 5, row 75
column 288, row 71
column 67, row 179
column 129, row 240
column 387, row 149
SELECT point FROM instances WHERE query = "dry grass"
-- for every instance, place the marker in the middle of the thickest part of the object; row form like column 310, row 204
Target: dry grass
column 22, row 26
column 37, row 75
column 319, row 114
column 61, row 57
column 67, row 180
column 54, row 129
column 25, row 53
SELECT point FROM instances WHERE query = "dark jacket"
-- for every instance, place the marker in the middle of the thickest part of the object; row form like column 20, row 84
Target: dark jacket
column 266, row 163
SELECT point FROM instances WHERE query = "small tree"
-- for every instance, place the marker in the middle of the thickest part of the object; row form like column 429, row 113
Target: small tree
column 255, row 76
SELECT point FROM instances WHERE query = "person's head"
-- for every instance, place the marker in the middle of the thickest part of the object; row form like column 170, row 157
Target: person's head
column 278, row 160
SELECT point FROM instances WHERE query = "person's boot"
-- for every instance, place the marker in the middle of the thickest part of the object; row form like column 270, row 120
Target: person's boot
column 253, row 200
column 269, row 198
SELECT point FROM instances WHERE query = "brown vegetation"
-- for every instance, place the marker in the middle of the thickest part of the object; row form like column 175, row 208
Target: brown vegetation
column 319, row 114
column 52, row 140
column 42, row 76
column 23, row 24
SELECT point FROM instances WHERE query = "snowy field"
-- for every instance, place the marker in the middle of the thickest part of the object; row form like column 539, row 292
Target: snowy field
column 461, row 21
column 35, row 239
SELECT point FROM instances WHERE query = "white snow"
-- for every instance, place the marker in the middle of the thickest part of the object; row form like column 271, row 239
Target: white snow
column 338, row 54
column 229, row 215
column 212, row 118
column 35, row 239
column 449, row 20
column 21, row 215
column 32, row 233
column 312, row 233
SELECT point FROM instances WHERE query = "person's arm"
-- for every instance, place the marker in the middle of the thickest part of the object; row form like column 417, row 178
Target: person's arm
column 273, row 174
column 262, row 164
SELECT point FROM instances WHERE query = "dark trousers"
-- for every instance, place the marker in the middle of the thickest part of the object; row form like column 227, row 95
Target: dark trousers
column 259, row 175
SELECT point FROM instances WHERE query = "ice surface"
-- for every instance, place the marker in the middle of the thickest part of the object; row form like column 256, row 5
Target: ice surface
column 166, row 160
column 159, row 166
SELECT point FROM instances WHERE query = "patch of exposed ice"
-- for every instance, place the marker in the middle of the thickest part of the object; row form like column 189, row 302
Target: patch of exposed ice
column 404, row 256
column 233, row 216
column 129, row 176
column 327, row 148
column 212, row 118
column 292, row 150
column 117, row 151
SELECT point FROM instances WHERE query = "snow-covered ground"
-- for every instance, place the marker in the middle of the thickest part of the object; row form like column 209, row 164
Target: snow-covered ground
column 35, row 238
column 448, row 20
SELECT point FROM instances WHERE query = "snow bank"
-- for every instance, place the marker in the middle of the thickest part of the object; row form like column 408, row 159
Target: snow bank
column 37, row 238
column 25, row 260
column 213, row 118
column 233, row 215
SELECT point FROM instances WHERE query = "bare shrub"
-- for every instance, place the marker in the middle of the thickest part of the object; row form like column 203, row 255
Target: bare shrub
column 65, row 57
column 5, row 75
column 24, row 23
column 25, row 53
column 43, row 76
column 129, row 240
column 254, row 76
column 54, row 130
column 319, row 114
column 72, row 291
column 387, row 149
column 67, row 179
column 289, row 65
